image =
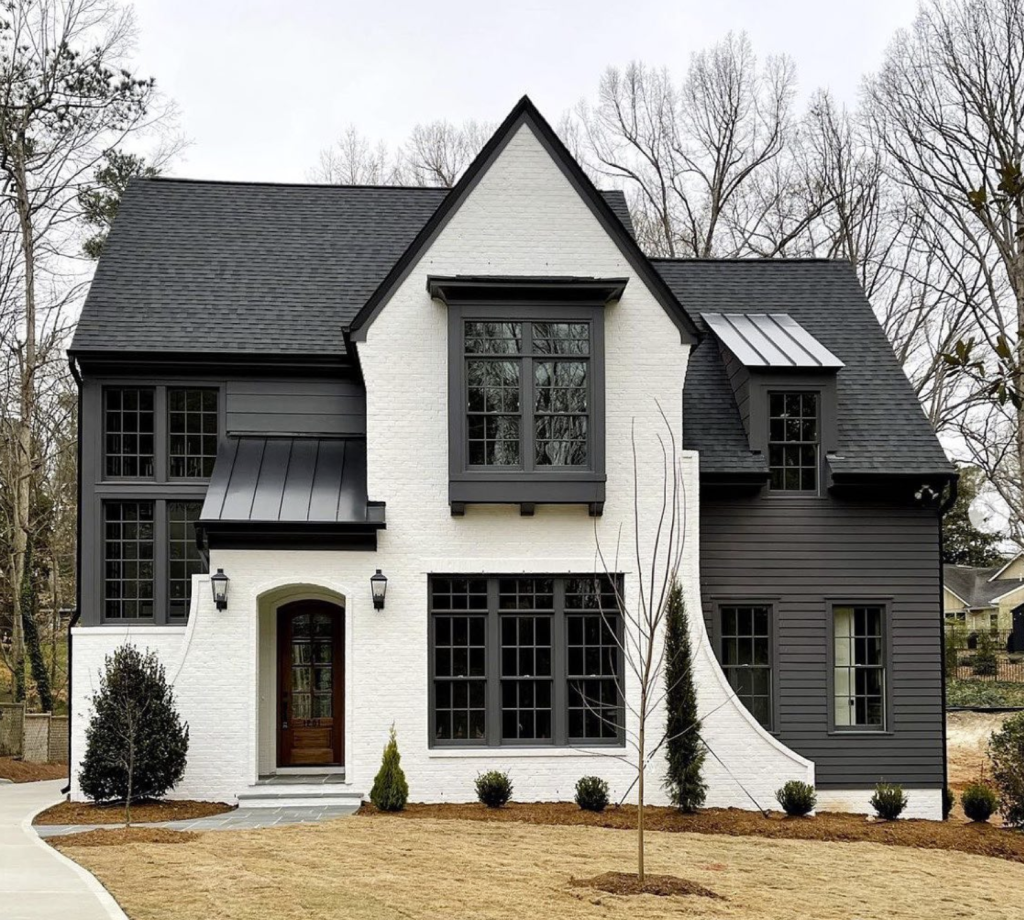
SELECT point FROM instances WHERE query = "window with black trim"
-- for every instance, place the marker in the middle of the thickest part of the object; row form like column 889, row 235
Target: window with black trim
column 183, row 557
column 525, row 660
column 746, row 655
column 858, row 666
column 191, row 432
column 528, row 394
column 129, row 538
column 128, row 431
column 793, row 441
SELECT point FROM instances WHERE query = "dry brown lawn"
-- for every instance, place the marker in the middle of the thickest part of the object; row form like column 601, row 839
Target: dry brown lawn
column 377, row 867
column 18, row 771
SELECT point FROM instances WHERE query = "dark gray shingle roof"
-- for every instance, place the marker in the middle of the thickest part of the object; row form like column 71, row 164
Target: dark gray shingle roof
column 972, row 584
column 881, row 426
column 249, row 268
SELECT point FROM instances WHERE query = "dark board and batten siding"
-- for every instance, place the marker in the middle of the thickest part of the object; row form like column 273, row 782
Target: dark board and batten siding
column 295, row 407
column 805, row 554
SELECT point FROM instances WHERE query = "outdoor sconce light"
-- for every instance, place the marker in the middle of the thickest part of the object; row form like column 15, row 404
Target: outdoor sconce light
column 219, row 583
column 378, row 587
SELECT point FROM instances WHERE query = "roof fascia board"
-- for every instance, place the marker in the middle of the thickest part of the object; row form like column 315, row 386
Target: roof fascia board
column 470, row 288
column 957, row 596
column 524, row 113
column 1014, row 590
column 1005, row 567
column 163, row 362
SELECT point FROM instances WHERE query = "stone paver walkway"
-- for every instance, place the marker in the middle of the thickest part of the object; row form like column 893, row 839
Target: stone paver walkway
column 37, row 882
column 241, row 819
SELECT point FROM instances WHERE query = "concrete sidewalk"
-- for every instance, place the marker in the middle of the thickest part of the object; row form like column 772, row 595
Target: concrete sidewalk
column 37, row 882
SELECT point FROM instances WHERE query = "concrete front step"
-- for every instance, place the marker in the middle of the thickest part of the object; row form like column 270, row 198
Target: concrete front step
column 292, row 795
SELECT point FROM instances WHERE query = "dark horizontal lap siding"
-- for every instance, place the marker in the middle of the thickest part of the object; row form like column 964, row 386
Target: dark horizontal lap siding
column 325, row 407
column 804, row 553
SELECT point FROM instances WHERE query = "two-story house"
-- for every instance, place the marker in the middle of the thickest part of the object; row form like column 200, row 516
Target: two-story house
column 395, row 422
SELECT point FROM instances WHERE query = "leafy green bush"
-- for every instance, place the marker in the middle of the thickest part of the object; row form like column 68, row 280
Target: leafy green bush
column 993, row 694
column 948, row 801
column 984, row 663
column 1006, row 754
column 889, row 800
column 796, row 798
column 954, row 643
column 136, row 746
column 979, row 802
column 390, row 791
column 493, row 788
column 591, row 793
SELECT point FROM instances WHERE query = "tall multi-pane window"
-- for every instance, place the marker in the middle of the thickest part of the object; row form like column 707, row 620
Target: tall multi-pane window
column 746, row 656
column 128, row 560
column 525, row 660
column 191, row 432
column 793, row 441
column 128, row 431
column 858, row 674
column 183, row 557
column 527, row 394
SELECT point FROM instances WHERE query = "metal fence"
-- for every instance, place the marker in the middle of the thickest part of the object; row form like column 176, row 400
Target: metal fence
column 986, row 655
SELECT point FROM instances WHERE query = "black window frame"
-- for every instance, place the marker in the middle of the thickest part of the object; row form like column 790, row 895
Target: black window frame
column 205, row 457
column 195, row 562
column 495, row 677
column 106, row 455
column 526, row 482
column 886, row 607
column 720, row 636
column 799, row 444
column 145, row 513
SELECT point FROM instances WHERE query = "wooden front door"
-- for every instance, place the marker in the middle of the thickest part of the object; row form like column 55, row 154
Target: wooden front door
column 311, row 684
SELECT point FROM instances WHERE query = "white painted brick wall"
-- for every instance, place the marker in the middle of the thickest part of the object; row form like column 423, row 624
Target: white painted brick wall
column 523, row 218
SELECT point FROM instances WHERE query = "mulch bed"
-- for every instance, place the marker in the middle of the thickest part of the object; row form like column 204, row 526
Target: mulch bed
column 119, row 836
column 18, row 771
column 142, row 812
column 977, row 839
column 661, row 885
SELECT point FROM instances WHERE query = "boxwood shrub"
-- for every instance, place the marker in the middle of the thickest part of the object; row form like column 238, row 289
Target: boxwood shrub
column 591, row 793
column 796, row 798
column 979, row 802
column 493, row 788
column 889, row 800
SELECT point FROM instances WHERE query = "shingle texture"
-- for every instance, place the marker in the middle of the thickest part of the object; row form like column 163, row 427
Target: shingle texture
column 243, row 268
column 975, row 586
column 881, row 426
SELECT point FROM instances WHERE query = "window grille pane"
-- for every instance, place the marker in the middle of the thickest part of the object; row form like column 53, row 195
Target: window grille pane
column 858, row 675
column 128, row 431
column 191, row 432
column 493, row 338
column 561, row 393
column 460, row 671
column 184, row 558
column 793, row 441
column 561, row 338
column 128, row 560
column 746, row 657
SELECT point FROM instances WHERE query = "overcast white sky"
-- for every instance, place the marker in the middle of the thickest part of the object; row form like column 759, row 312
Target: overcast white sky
column 264, row 85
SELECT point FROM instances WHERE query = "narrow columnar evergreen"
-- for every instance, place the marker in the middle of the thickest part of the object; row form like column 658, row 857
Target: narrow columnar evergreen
column 390, row 791
column 683, row 747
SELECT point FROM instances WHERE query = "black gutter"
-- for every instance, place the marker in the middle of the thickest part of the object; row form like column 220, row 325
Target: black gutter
column 73, row 366
column 954, row 489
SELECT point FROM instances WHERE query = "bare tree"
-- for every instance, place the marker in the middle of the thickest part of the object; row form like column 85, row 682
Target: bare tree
column 354, row 160
column 948, row 106
column 65, row 101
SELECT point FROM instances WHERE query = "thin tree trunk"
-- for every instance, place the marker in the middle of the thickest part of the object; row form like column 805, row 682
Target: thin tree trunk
column 640, row 805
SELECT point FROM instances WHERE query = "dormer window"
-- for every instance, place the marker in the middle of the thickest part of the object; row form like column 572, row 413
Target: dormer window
column 793, row 441
column 526, row 390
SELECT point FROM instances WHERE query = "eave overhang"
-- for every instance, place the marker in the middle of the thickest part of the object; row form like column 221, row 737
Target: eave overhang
column 531, row 289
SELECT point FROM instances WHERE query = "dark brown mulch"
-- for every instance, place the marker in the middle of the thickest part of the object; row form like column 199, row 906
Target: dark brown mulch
column 626, row 883
column 119, row 836
column 18, row 771
column 977, row 839
column 142, row 812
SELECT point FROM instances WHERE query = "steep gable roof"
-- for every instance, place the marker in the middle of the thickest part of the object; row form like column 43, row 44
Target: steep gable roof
column 526, row 113
column 881, row 427
column 978, row 587
column 249, row 268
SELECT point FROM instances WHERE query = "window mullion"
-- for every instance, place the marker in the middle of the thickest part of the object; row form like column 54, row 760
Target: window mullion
column 493, row 639
column 528, row 424
column 559, row 692
column 160, row 434
column 161, row 564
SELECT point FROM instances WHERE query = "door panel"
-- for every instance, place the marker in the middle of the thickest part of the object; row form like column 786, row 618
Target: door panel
column 311, row 680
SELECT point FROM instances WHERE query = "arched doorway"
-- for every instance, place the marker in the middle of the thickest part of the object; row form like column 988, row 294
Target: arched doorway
column 310, row 684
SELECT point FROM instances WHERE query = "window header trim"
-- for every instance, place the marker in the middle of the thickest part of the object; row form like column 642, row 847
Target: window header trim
column 451, row 289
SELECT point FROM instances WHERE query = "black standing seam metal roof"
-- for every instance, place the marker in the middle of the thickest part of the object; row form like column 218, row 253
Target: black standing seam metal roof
column 288, row 481
column 248, row 268
column 881, row 426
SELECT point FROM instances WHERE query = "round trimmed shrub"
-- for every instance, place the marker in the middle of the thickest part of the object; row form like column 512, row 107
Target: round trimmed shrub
column 979, row 802
column 797, row 799
column 493, row 788
column 985, row 663
column 591, row 793
column 1006, row 755
column 889, row 801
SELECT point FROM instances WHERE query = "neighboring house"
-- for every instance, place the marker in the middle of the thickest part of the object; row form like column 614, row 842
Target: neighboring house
column 327, row 382
column 983, row 598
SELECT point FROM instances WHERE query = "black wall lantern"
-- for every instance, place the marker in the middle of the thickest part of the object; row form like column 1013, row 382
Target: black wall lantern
column 378, row 587
column 219, row 583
